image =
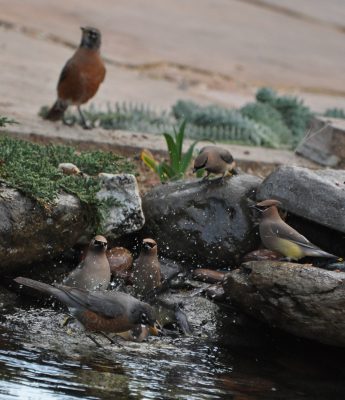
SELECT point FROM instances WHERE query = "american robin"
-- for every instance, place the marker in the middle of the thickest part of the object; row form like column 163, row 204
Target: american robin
column 278, row 236
column 93, row 272
column 81, row 76
column 215, row 160
column 146, row 269
column 109, row 312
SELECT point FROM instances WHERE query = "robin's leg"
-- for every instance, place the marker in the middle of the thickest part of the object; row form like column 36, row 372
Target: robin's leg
column 225, row 174
column 83, row 120
column 94, row 340
column 112, row 341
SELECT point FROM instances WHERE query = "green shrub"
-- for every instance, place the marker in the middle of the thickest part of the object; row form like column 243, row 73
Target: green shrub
column 265, row 114
column 335, row 113
column 6, row 121
column 222, row 124
column 294, row 113
column 272, row 121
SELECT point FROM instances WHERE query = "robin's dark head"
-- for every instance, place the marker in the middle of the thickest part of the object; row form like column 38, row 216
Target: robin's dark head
column 99, row 244
column 149, row 246
column 91, row 38
column 143, row 314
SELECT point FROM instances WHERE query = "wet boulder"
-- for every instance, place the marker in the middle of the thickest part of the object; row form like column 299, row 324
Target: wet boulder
column 318, row 196
column 126, row 215
column 204, row 223
column 30, row 232
column 298, row 298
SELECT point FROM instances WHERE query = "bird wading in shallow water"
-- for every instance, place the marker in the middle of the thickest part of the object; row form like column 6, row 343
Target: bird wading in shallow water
column 93, row 272
column 81, row 76
column 278, row 236
column 109, row 312
column 215, row 160
column 146, row 269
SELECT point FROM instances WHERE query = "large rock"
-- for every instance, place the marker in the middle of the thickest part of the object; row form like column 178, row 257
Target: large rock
column 300, row 299
column 31, row 233
column 315, row 195
column 325, row 142
column 127, row 215
column 203, row 223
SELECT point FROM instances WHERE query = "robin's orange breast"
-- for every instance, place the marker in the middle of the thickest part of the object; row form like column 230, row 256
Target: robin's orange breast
column 81, row 77
column 96, row 322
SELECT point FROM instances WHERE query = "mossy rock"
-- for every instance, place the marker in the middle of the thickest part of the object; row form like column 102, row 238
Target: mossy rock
column 33, row 169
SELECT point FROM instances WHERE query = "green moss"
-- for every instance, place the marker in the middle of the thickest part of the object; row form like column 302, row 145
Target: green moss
column 33, row 169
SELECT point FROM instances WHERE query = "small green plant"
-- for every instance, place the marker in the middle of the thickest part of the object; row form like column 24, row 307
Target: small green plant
column 6, row 121
column 178, row 162
column 335, row 113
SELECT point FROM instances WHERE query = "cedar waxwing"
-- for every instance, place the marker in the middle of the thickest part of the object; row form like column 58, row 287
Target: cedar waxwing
column 93, row 272
column 215, row 160
column 98, row 311
column 147, row 269
column 278, row 236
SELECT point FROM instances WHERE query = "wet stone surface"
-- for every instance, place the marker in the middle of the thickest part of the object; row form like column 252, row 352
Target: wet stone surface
column 203, row 223
column 308, row 194
column 228, row 356
column 298, row 298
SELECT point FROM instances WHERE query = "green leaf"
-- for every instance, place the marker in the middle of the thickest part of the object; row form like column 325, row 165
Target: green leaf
column 187, row 158
column 180, row 138
column 149, row 161
column 172, row 150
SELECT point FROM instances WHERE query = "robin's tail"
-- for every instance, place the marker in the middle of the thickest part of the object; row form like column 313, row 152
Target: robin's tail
column 42, row 287
column 57, row 111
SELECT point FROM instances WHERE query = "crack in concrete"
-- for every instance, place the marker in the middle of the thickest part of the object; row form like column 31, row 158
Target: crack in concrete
column 28, row 31
column 295, row 14
column 183, row 68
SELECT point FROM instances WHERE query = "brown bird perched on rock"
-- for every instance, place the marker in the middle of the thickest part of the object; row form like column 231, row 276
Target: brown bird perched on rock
column 93, row 272
column 80, row 77
column 278, row 236
column 98, row 311
column 146, row 269
column 215, row 160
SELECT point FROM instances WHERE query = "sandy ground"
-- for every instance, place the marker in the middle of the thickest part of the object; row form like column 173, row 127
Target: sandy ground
column 157, row 52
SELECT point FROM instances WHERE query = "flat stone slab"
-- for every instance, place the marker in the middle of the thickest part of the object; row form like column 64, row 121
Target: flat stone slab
column 315, row 195
column 297, row 298
column 325, row 142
